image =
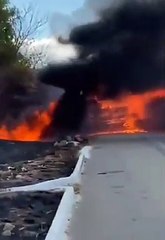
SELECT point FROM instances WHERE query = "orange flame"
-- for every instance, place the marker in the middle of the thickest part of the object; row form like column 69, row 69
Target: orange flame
column 125, row 111
column 26, row 132
column 117, row 116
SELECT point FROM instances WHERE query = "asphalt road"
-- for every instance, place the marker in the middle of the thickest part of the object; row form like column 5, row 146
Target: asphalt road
column 123, row 192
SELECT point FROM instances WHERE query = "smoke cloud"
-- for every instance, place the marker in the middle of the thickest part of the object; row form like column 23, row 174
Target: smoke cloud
column 21, row 95
column 123, row 51
column 61, row 24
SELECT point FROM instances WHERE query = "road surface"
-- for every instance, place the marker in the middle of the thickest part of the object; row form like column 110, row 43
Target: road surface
column 123, row 191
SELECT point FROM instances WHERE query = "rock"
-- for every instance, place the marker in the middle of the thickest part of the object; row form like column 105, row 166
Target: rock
column 11, row 168
column 24, row 177
column 55, row 144
column 24, row 169
column 62, row 143
column 19, row 176
column 8, row 227
column 6, row 233
column 80, row 139
column 75, row 144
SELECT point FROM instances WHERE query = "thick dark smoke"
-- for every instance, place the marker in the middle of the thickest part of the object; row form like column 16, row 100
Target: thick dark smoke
column 124, row 52
column 21, row 95
column 72, row 106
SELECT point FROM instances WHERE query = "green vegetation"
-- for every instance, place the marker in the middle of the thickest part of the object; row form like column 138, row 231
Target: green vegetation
column 17, row 31
column 8, row 53
column 17, row 27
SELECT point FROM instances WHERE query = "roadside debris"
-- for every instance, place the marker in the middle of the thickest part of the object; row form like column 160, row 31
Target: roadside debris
column 71, row 141
column 58, row 163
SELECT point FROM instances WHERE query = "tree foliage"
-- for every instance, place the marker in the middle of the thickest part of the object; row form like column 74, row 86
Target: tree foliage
column 26, row 25
column 7, row 47
column 17, row 29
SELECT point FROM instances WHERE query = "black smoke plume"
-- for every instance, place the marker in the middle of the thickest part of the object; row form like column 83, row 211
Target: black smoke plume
column 21, row 94
column 123, row 52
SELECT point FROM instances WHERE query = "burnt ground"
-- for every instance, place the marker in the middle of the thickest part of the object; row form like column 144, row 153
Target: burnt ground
column 27, row 216
column 13, row 151
column 24, row 163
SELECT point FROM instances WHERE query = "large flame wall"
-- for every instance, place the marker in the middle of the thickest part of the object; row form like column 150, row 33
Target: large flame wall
column 30, row 130
column 129, row 114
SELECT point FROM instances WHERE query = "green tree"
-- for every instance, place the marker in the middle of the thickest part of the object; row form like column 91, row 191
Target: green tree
column 17, row 28
column 14, row 66
column 7, row 48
